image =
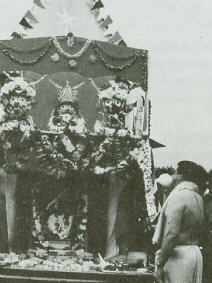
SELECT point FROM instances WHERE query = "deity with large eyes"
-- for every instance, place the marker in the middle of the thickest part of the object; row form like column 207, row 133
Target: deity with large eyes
column 16, row 99
column 112, row 97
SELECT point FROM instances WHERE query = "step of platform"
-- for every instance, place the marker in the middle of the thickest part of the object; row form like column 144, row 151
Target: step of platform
column 9, row 275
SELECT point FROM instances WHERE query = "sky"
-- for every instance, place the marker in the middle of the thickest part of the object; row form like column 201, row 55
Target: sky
column 178, row 36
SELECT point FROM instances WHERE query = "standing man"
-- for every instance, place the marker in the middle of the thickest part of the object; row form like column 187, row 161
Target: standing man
column 178, row 231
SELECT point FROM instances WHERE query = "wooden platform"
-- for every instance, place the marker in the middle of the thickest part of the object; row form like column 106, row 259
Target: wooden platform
column 9, row 275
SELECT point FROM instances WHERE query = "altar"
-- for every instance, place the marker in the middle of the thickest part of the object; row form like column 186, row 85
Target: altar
column 76, row 153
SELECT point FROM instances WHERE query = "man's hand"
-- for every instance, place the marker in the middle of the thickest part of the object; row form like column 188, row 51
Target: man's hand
column 159, row 274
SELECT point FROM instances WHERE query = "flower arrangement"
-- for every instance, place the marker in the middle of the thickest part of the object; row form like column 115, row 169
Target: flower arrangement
column 57, row 156
column 120, row 147
column 16, row 125
column 16, row 98
column 143, row 156
column 63, row 152
column 119, row 91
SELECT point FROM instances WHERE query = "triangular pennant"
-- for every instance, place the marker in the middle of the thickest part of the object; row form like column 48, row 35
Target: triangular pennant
column 97, row 5
column 16, row 35
column 122, row 42
column 106, row 22
column 39, row 4
column 24, row 23
column 31, row 17
column 116, row 37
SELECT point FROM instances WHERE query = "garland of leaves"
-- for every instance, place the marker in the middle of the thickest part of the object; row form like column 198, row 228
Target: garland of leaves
column 28, row 62
column 47, row 46
column 54, row 157
column 62, row 52
column 23, row 51
column 115, row 68
column 131, row 56
column 142, row 155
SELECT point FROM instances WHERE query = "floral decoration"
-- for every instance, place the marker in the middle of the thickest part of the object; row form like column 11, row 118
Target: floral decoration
column 120, row 147
column 63, row 151
column 17, row 86
column 16, row 125
column 67, row 55
column 143, row 155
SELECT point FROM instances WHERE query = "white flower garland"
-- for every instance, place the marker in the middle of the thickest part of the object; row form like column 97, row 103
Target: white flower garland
column 69, row 55
column 22, row 125
column 110, row 93
column 99, row 128
column 144, row 159
column 17, row 85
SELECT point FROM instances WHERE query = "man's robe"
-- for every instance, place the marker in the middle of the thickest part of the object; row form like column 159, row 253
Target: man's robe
column 182, row 212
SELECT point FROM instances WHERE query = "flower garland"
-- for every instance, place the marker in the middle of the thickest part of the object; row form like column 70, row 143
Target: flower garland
column 17, row 85
column 28, row 62
column 62, row 52
column 142, row 53
column 115, row 68
column 114, row 91
column 56, row 153
column 52, row 157
column 22, row 51
column 142, row 155
column 47, row 46
column 16, row 97
column 24, row 126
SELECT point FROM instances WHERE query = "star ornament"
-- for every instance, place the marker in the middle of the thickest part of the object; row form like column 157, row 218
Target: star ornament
column 66, row 20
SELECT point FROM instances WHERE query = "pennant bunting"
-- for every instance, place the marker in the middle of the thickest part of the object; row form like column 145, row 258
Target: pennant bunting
column 24, row 23
column 121, row 42
column 39, row 4
column 16, row 35
column 97, row 5
column 106, row 22
column 31, row 17
column 115, row 38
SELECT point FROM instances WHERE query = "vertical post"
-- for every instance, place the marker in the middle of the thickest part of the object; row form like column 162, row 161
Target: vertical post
column 10, row 196
column 116, row 186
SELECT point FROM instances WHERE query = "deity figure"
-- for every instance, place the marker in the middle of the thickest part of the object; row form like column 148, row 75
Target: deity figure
column 16, row 99
column 62, row 157
column 108, row 157
column 16, row 125
column 112, row 97
column 66, row 114
column 121, row 113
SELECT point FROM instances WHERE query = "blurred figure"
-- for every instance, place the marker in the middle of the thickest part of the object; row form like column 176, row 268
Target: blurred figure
column 178, row 231
column 162, row 187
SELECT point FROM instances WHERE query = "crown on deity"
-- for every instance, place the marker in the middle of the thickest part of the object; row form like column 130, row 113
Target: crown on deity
column 118, row 88
column 67, row 94
column 17, row 86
